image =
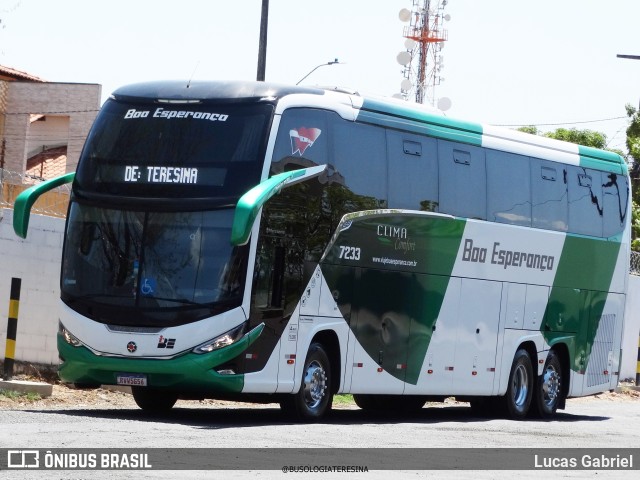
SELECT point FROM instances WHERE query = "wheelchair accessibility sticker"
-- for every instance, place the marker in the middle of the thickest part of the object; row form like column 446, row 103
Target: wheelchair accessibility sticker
column 148, row 286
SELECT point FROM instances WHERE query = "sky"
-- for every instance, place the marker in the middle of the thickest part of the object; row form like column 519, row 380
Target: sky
column 549, row 63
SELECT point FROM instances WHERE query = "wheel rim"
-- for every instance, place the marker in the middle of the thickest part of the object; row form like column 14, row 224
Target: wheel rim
column 520, row 387
column 550, row 386
column 315, row 384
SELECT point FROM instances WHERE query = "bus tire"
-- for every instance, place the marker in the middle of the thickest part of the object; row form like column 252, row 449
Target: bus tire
column 519, row 394
column 369, row 402
column 548, row 391
column 154, row 400
column 315, row 397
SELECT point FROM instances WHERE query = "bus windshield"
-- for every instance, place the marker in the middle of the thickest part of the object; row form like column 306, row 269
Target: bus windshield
column 151, row 150
column 154, row 268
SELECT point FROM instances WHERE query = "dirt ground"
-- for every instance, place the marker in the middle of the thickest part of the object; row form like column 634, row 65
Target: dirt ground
column 66, row 396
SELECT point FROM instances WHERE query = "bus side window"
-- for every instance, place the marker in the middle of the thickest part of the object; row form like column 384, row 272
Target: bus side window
column 585, row 201
column 508, row 188
column 303, row 140
column 549, row 195
column 359, row 153
column 413, row 171
column 615, row 197
column 462, row 180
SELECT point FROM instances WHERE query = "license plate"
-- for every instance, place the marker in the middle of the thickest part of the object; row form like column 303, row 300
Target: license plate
column 131, row 379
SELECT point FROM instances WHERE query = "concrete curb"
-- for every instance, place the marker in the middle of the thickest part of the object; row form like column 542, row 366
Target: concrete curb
column 21, row 386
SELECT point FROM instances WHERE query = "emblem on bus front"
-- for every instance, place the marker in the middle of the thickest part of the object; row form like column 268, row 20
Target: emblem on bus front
column 303, row 138
column 132, row 347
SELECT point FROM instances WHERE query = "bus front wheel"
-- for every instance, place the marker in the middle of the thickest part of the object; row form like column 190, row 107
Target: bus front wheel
column 153, row 400
column 520, row 389
column 314, row 398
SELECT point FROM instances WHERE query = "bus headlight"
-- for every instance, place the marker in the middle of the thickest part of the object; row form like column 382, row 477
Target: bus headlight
column 69, row 337
column 220, row 341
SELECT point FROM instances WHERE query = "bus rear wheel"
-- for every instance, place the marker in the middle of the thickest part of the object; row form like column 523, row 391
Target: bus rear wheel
column 154, row 400
column 517, row 400
column 548, row 391
column 314, row 398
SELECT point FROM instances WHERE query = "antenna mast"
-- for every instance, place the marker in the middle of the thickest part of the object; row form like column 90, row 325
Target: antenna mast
column 422, row 60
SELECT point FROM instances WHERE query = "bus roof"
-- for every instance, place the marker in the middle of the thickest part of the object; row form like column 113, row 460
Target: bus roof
column 186, row 91
column 415, row 117
column 382, row 111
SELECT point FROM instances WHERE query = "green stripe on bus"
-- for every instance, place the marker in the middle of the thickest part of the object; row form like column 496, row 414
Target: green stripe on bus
column 391, row 290
column 602, row 160
column 423, row 123
column 578, row 296
column 434, row 119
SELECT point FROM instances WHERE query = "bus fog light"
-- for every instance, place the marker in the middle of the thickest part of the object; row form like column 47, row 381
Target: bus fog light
column 220, row 341
column 69, row 337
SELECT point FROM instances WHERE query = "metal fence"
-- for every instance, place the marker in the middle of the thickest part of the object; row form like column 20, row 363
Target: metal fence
column 53, row 203
column 634, row 264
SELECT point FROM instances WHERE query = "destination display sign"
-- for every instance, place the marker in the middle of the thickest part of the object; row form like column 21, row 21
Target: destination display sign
column 153, row 174
column 169, row 175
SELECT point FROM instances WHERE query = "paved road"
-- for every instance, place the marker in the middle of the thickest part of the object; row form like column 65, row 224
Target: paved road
column 587, row 423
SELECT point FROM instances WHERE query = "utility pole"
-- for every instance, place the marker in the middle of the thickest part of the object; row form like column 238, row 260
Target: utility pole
column 262, row 48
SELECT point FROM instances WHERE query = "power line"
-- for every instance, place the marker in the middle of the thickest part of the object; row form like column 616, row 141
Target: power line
column 561, row 123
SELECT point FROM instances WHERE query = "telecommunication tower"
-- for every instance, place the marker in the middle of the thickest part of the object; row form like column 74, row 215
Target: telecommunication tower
column 422, row 60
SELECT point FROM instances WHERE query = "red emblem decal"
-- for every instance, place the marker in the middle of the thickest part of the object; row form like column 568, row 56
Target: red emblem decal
column 303, row 138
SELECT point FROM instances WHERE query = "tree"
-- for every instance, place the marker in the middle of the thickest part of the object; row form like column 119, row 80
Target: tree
column 633, row 146
column 588, row 138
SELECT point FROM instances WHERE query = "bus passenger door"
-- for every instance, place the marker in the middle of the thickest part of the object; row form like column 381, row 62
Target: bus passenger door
column 436, row 375
column 475, row 352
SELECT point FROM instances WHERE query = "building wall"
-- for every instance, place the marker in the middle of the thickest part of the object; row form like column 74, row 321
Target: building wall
column 52, row 131
column 36, row 260
column 4, row 89
column 630, row 359
column 79, row 101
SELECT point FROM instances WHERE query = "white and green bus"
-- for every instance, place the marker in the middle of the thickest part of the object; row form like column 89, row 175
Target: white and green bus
column 262, row 242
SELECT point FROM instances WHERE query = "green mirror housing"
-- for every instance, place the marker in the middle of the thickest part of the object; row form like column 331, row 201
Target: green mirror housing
column 251, row 202
column 24, row 201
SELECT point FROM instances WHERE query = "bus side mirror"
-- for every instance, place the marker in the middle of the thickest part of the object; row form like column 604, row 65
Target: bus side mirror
column 251, row 202
column 24, row 202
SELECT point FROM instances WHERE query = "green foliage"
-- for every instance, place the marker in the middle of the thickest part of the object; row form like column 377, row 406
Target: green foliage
column 588, row 138
column 635, row 220
column 529, row 129
column 633, row 146
column 343, row 399
column 13, row 395
column 633, row 133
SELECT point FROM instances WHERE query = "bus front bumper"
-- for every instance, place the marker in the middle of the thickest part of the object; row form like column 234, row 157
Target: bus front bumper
column 190, row 372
